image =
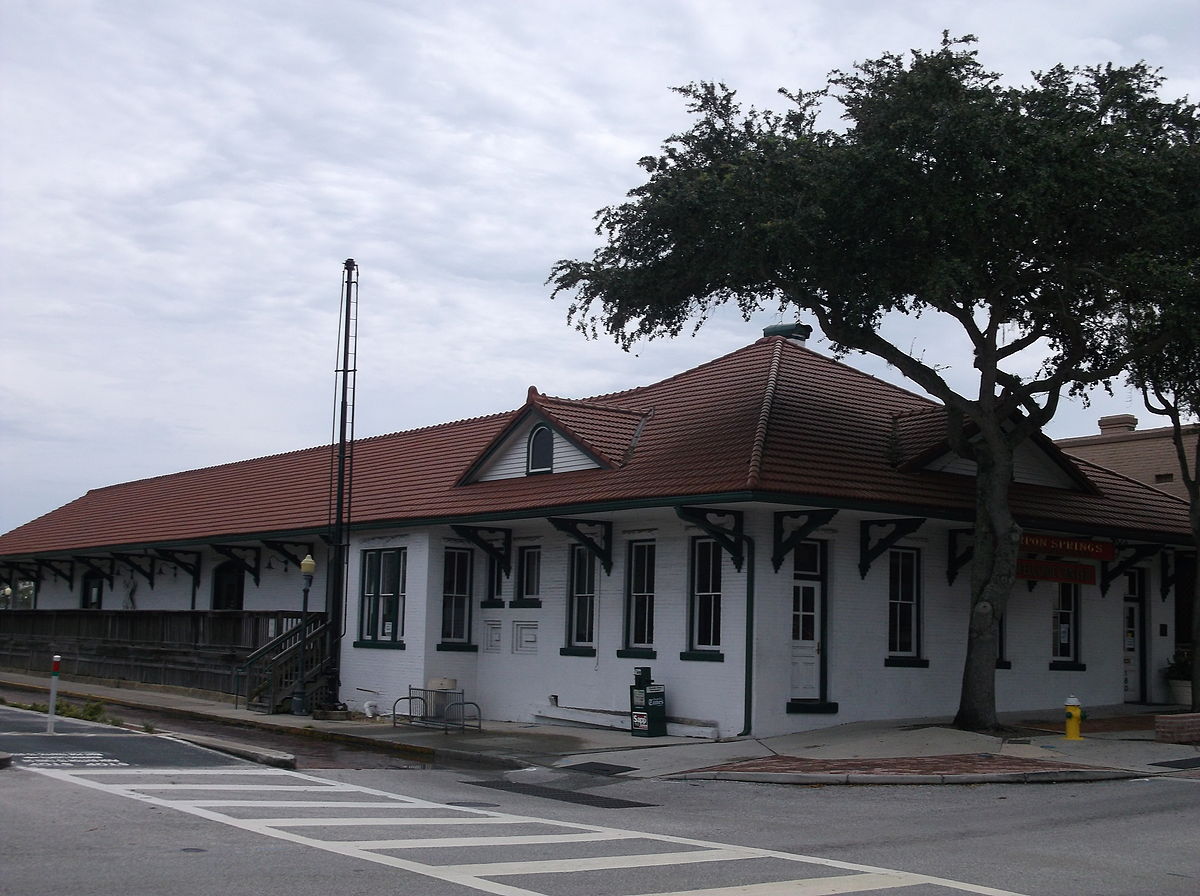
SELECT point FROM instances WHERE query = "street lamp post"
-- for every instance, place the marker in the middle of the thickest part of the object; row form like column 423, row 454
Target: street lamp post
column 299, row 696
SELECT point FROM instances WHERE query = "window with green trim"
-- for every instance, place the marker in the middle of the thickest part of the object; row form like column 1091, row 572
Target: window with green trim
column 639, row 599
column 581, row 598
column 706, row 594
column 382, row 595
column 456, row 596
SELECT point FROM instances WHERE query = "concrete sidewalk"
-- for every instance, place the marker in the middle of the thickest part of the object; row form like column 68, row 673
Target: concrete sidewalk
column 1118, row 743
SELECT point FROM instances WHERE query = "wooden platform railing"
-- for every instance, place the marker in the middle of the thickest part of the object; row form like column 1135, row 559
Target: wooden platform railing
column 183, row 648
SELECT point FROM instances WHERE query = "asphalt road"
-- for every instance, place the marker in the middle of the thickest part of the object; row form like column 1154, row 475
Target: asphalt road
column 175, row 819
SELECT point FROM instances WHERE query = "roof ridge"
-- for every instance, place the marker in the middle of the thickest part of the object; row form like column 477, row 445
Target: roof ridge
column 675, row 376
column 592, row 403
column 764, row 417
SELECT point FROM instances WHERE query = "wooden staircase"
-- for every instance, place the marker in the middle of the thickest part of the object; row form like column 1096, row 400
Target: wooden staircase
column 267, row 679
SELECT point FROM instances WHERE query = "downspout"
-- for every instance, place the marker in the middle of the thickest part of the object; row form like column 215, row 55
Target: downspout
column 749, row 696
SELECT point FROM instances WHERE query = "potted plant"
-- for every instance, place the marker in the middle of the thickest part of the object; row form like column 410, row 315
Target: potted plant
column 1179, row 677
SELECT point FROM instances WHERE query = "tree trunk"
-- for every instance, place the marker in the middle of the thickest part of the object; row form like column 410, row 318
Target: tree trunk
column 993, row 571
column 1195, row 519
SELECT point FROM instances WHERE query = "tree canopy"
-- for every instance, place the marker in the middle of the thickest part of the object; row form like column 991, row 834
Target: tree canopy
column 1029, row 216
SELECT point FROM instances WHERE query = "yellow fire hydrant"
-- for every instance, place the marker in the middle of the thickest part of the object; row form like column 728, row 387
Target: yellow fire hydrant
column 1075, row 717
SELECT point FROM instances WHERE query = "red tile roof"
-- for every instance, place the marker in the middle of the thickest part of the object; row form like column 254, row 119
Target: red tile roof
column 772, row 420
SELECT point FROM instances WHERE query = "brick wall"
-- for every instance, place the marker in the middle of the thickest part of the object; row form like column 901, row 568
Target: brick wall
column 1183, row 728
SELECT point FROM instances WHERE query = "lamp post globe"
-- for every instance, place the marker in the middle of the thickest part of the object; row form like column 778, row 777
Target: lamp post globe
column 308, row 566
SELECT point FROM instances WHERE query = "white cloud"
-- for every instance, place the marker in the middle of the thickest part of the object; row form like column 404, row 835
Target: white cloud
column 181, row 183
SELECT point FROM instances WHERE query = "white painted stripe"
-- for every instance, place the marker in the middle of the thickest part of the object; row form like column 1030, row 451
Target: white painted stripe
column 386, row 820
column 261, row 771
column 601, row 863
column 520, row 840
column 363, row 849
column 303, row 804
column 264, row 788
column 811, row 886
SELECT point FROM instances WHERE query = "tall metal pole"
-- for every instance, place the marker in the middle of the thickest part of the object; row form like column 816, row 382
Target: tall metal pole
column 337, row 566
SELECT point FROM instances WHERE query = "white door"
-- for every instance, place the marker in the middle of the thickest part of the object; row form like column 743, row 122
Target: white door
column 1133, row 652
column 806, row 643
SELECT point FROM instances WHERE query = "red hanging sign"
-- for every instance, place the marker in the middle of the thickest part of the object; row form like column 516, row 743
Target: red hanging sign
column 1064, row 546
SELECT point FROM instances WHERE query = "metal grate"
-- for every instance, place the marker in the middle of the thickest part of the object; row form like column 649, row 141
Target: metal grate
column 565, row 796
column 600, row 768
column 1179, row 763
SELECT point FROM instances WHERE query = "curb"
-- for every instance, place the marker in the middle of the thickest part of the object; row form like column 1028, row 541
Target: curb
column 261, row 755
column 273, row 757
column 1057, row 776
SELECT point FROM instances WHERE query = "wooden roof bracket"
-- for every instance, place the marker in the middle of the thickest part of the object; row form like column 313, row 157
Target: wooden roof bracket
column 501, row 553
column 784, row 541
column 180, row 559
column 868, row 552
column 599, row 543
column 731, row 537
column 56, row 572
column 96, row 565
column 251, row 564
column 282, row 550
column 13, row 572
column 1166, row 573
column 133, row 562
column 958, row 557
column 1136, row 554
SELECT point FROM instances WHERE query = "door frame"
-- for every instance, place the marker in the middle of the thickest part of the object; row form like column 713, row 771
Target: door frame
column 821, row 704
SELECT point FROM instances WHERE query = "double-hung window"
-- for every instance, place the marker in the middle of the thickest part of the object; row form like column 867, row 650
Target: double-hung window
column 639, row 598
column 381, row 601
column 456, row 596
column 904, row 608
column 581, row 599
column 529, row 577
column 1064, row 629
column 706, row 595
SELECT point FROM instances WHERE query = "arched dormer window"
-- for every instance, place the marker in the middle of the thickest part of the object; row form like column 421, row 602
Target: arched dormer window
column 540, row 458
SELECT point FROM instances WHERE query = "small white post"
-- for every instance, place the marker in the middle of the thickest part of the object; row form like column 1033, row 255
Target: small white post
column 53, row 694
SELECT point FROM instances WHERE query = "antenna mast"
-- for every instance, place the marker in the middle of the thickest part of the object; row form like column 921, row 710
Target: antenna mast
column 341, row 471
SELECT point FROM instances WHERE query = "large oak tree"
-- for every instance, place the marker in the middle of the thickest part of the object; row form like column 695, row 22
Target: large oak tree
column 1025, row 216
column 1169, row 380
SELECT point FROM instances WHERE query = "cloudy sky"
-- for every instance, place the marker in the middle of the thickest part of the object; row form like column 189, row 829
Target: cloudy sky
column 180, row 182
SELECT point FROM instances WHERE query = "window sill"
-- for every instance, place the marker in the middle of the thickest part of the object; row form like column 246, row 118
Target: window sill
column 380, row 645
column 703, row 656
column 525, row 603
column 491, row 604
column 638, row 653
column 906, row 662
column 1067, row 666
column 577, row 651
column 458, row 647
column 1003, row 664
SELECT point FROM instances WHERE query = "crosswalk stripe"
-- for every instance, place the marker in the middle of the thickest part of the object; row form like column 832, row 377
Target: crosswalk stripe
column 603, row 863
column 516, row 840
column 382, row 820
column 273, row 788
column 302, row 804
column 812, row 886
